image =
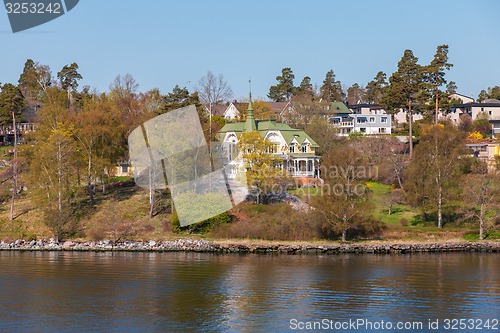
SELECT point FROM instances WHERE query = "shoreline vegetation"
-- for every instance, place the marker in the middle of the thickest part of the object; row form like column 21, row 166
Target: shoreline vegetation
column 68, row 175
column 251, row 246
column 120, row 216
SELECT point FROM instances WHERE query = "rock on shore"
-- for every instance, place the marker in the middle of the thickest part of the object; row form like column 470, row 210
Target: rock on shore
column 200, row 245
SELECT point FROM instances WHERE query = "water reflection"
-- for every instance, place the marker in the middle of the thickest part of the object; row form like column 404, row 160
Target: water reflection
column 179, row 292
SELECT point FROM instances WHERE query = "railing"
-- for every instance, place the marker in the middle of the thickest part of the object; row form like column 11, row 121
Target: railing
column 344, row 124
column 302, row 173
column 22, row 128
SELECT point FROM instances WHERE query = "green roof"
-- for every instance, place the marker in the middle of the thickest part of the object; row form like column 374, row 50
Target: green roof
column 233, row 127
column 264, row 126
column 339, row 107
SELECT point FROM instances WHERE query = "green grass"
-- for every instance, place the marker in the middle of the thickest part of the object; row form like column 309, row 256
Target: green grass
column 4, row 152
column 120, row 179
column 380, row 198
column 474, row 237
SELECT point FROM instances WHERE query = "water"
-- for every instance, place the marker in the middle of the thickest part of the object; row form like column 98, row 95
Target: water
column 187, row 292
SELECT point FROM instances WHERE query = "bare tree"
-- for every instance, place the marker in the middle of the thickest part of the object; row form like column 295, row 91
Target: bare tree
column 124, row 85
column 481, row 192
column 214, row 89
column 14, row 169
column 124, row 92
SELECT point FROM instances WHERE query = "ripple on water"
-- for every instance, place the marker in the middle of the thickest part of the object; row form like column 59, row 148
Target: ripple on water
column 179, row 292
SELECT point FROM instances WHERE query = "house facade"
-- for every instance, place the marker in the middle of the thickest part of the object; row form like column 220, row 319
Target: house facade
column 369, row 119
column 495, row 128
column 462, row 98
column 367, row 109
column 295, row 148
column 234, row 110
column 491, row 107
column 486, row 150
column 7, row 132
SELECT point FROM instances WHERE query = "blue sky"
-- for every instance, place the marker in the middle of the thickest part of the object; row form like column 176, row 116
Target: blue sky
column 164, row 43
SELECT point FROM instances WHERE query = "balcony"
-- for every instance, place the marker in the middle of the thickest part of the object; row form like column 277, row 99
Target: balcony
column 294, row 173
column 344, row 124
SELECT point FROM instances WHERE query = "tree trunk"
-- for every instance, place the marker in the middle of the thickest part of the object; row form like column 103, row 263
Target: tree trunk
column 410, row 128
column 89, row 180
column 344, row 235
column 436, row 142
column 69, row 96
column 59, row 185
column 440, row 207
column 103, row 183
column 481, row 222
column 14, row 170
column 151, row 193
column 437, row 104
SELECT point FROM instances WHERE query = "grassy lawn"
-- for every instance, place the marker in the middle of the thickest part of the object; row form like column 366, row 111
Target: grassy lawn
column 120, row 213
column 380, row 198
column 4, row 152
column 404, row 222
column 120, row 179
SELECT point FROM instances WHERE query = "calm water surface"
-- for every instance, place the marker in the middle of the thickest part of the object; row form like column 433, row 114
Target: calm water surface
column 187, row 292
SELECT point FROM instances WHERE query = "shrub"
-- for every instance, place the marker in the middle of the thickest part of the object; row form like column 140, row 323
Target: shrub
column 271, row 222
column 201, row 227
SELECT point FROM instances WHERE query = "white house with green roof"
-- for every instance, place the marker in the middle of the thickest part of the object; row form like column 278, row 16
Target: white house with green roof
column 296, row 148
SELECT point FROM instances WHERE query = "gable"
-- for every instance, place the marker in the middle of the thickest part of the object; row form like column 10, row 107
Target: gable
column 231, row 112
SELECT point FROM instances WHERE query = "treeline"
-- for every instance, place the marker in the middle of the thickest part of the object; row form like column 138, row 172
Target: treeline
column 80, row 136
column 427, row 80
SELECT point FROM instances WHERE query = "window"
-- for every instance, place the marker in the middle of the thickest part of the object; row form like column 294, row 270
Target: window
column 232, row 152
column 304, row 148
column 372, row 119
column 361, row 120
column 381, row 130
column 383, row 120
column 490, row 113
column 275, row 148
column 362, row 130
column 124, row 168
column 292, row 148
column 482, row 109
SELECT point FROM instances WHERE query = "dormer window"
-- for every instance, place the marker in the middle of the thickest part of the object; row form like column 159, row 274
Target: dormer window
column 304, row 148
column 292, row 148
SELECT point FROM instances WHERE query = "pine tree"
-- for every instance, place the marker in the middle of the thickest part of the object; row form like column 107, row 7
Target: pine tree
column 404, row 86
column 434, row 74
column 68, row 77
column 11, row 100
column 285, row 89
column 375, row 88
column 331, row 90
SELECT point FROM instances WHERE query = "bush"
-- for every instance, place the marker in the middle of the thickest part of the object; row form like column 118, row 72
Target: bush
column 271, row 222
column 366, row 227
column 403, row 222
column 201, row 227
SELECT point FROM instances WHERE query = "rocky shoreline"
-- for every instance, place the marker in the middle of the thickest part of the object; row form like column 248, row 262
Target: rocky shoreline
column 199, row 245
